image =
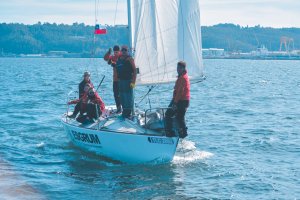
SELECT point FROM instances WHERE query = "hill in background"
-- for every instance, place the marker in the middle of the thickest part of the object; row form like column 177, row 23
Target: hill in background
column 235, row 38
column 78, row 38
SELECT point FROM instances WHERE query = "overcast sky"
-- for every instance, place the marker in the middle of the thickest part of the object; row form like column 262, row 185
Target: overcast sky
column 267, row 13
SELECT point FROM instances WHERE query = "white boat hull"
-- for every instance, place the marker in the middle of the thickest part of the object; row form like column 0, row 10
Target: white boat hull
column 122, row 146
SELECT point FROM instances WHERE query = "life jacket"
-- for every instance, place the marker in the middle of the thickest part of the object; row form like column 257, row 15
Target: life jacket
column 124, row 68
column 182, row 88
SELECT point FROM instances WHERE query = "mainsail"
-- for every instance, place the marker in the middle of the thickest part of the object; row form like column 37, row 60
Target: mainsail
column 164, row 32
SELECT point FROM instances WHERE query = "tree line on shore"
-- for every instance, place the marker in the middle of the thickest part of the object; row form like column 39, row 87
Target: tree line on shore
column 41, row 38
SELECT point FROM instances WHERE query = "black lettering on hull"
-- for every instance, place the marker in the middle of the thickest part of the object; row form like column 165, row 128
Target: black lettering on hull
column 85, row 137
column 160, row 140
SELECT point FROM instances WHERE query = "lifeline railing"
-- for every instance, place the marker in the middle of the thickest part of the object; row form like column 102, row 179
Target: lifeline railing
column 159, row 111
column 68, row 99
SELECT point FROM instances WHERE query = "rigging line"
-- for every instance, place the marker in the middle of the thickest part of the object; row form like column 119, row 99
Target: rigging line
column 90, row 60
column 191, row 83
column 143, row 97
column 97, row 10
column 182, row 29
column 93, row 50
column 115, row 17
column 151, row 87
column 143, row 31
column 100, row 83
column 116, row 9
column 162, row 43
column 94, row 57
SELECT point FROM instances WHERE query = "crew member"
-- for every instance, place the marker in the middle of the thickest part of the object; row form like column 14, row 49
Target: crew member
column 95, row 105
column 126, row 71
column 112, row 60
column 81, row 102
column 179, row 103
column 86, row 80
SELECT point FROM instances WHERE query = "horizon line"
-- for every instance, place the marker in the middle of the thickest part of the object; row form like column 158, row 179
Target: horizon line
column 111, row 25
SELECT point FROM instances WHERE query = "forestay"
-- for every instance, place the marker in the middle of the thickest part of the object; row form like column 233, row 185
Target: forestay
column 164, row 32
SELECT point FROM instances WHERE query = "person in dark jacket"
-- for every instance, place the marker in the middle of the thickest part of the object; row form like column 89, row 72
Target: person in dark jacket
column 86, row 80
column 95, row 105
column 126, row 71
column 112, row 60
column 90, row 104
column 179, row 103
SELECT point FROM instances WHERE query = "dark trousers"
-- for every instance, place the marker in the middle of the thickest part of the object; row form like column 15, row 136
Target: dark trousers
column 179, row 115
column 126, row 96
column 93, row 111
column 117, row 94
column 78, row 109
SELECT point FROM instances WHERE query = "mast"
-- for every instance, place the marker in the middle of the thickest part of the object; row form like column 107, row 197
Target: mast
column 129, row 23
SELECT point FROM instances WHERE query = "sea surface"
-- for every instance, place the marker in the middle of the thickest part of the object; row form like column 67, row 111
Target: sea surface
column 243, row 143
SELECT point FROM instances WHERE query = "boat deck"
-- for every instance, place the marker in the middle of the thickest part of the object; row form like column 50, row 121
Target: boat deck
column 114, row 123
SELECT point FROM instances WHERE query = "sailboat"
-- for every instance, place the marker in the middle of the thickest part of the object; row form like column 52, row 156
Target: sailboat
column 162, row 32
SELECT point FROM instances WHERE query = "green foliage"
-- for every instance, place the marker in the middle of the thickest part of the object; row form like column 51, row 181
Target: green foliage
column 79, row 38
column 236, row 38
column 42, row 38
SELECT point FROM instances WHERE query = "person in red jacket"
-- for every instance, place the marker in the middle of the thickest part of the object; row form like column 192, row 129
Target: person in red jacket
column 179, row 103
column 95, row 105
column 112, row 60
column 90, row 103
column 81, row 102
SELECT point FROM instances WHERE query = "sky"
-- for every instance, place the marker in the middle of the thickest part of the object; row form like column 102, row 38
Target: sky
column 267, row 13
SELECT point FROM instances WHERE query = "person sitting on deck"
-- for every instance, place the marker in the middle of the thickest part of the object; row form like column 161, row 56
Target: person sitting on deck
column 86, row 82
column 80, row 103
column 179, row 103
column 95, row 105
column 90, row 104
column 112, row 60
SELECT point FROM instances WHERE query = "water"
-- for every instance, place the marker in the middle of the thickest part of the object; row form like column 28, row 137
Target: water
column 243, row 138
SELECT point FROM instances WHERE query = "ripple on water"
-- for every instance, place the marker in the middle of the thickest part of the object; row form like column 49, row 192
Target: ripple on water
column 243, row 134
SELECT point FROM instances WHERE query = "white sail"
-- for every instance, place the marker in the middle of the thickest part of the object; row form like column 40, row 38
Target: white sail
column 164, row 32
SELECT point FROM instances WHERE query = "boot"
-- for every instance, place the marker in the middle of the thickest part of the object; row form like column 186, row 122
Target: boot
column 119, row 110
column 182, row 133
column 73, row 116
column 170, row 133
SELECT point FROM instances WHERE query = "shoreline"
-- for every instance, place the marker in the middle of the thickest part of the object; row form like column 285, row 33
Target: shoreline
column 204, row 58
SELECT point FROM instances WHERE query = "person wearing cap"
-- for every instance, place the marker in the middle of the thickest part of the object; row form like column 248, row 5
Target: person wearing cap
column 95, row 105
column 179, row 103
column 126, row 71
column 86, row 80
column 112, row 60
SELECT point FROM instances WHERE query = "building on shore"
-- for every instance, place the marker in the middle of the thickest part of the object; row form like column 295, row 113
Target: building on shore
column 261, row 53
column 57, row 54
column 213, row 52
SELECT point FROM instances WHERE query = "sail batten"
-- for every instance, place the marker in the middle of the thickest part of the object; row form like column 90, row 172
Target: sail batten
column 164, row 32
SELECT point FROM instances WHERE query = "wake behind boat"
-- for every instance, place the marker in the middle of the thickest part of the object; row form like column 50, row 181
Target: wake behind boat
column 158, row 39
